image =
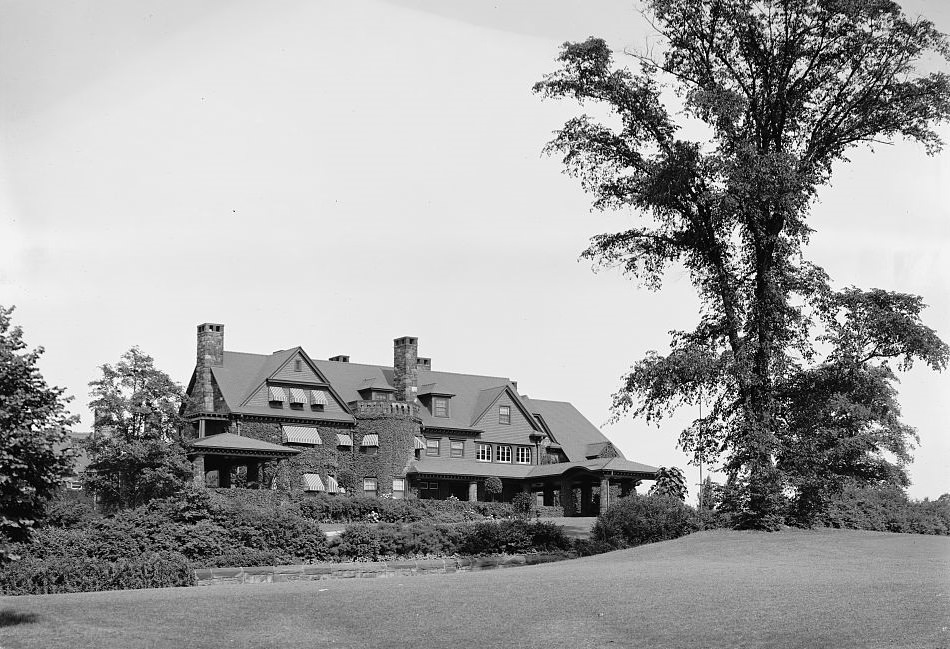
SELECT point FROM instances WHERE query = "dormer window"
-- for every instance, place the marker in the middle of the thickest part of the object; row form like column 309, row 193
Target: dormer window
column 440, row 407
column 275, row 396
column 504, row 415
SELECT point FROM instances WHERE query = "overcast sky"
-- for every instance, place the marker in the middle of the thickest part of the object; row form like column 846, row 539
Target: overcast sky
column 338, row 174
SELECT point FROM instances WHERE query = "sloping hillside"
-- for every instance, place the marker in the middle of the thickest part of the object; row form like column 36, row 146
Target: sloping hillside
column 825, row 588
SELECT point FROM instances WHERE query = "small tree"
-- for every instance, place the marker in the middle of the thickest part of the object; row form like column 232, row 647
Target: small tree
column 524, row 505
column 33, row 420
column 493, row 487
column 136, row 445
column 669, row 482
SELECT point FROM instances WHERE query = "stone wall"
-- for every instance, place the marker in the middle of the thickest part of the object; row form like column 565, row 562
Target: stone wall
column 369, row 569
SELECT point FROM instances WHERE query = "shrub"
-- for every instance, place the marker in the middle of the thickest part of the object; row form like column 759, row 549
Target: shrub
column 493, row 486
column 524, row 505
column 359, row 542
column 887, row 509
column 489, row 537
column 635, row 520
column 548, row 537
column 68, row 512
column 65, row 574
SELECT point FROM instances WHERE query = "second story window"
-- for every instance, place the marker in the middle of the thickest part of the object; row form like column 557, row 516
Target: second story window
column 504, row 415
column 380, row 396
column 440, row 407
column 503, row 454
column 483, row 453
column 457, row 448
column 524, row 455
column 432, row 446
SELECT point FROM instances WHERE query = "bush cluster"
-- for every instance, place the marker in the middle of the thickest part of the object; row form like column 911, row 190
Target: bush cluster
column 635, row 520
column 351, row 509
column 887, row 509
column 363, row 542
column 73, row 574
column 200, row 528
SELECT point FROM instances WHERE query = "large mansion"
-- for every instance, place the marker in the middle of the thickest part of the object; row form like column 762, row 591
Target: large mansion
column 285, row 420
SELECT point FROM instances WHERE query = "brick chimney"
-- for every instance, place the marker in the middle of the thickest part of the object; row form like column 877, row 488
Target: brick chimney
column 210, row 354
column 405, row 368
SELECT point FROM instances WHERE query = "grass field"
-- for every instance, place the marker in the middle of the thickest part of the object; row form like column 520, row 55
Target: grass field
column 795, row 588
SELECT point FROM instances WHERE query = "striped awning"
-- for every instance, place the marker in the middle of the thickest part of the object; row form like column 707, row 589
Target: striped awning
column 420, row 444
column 343, row 440
column 333, row 487
column 370, row 440
column 312, row 482
column 318, row 398
column 297, row 396
column 275, row 393
column 301, row 435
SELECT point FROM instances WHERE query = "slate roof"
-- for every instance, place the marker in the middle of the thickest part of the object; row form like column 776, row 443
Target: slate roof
column 569, row 428
column 241, row 373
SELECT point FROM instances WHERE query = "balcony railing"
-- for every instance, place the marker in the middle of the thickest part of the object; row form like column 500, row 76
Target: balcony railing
column 385, row 408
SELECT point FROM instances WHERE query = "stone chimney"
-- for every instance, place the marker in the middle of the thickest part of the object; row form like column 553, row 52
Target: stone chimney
column 210, row 354
column 405, row 368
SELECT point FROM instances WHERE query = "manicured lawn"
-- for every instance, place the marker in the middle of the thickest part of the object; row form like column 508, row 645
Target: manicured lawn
column 794, row 588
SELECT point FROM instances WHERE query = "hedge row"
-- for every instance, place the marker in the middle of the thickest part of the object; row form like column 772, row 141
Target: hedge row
column 373, row 542
column 62, row 574
column 349, row 509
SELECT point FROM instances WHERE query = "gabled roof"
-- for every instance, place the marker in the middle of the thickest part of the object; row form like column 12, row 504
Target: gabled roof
column 242, row 374
column 569, row 427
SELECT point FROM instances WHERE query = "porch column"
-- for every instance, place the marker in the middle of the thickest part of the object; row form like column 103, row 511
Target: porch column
column 587, row 500
column 254, row 472
column 201, row 428
column 604, row 493
column 567, row 498
column 198, row 470
column 472, row 491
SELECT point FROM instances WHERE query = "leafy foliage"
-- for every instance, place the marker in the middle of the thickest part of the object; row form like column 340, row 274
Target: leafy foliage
column 524, row 505
column 493, row 486
column 33, row 421
column 635, row 520
column 887, row 509
column 136, row 445
column 669, row 482
column 75, row 574
column 786, row 90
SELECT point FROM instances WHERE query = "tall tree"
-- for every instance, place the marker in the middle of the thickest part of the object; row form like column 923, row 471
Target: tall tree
column 786, row 88
column 33, row 422
column 136, row 445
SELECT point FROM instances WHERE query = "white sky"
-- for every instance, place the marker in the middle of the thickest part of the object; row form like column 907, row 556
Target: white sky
column 336, row 175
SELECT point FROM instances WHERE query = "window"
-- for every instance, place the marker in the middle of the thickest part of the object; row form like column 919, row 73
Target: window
column 458, row 448
column 298, row 365
column 524, row 455
column 369, row 486
column 380, row 396
column 504, row 414
column 432, row 446
column 503, row 454
column 483, row 453
column 440, row 407
column 399, row 488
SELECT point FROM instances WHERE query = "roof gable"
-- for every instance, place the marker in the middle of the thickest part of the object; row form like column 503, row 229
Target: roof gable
column 488, row 398
column 569, row 428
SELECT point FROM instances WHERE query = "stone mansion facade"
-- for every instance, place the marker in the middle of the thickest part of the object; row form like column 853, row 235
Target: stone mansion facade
column 285, row 420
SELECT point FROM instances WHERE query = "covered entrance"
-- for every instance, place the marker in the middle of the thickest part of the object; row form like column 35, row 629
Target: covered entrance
column 214, row 459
